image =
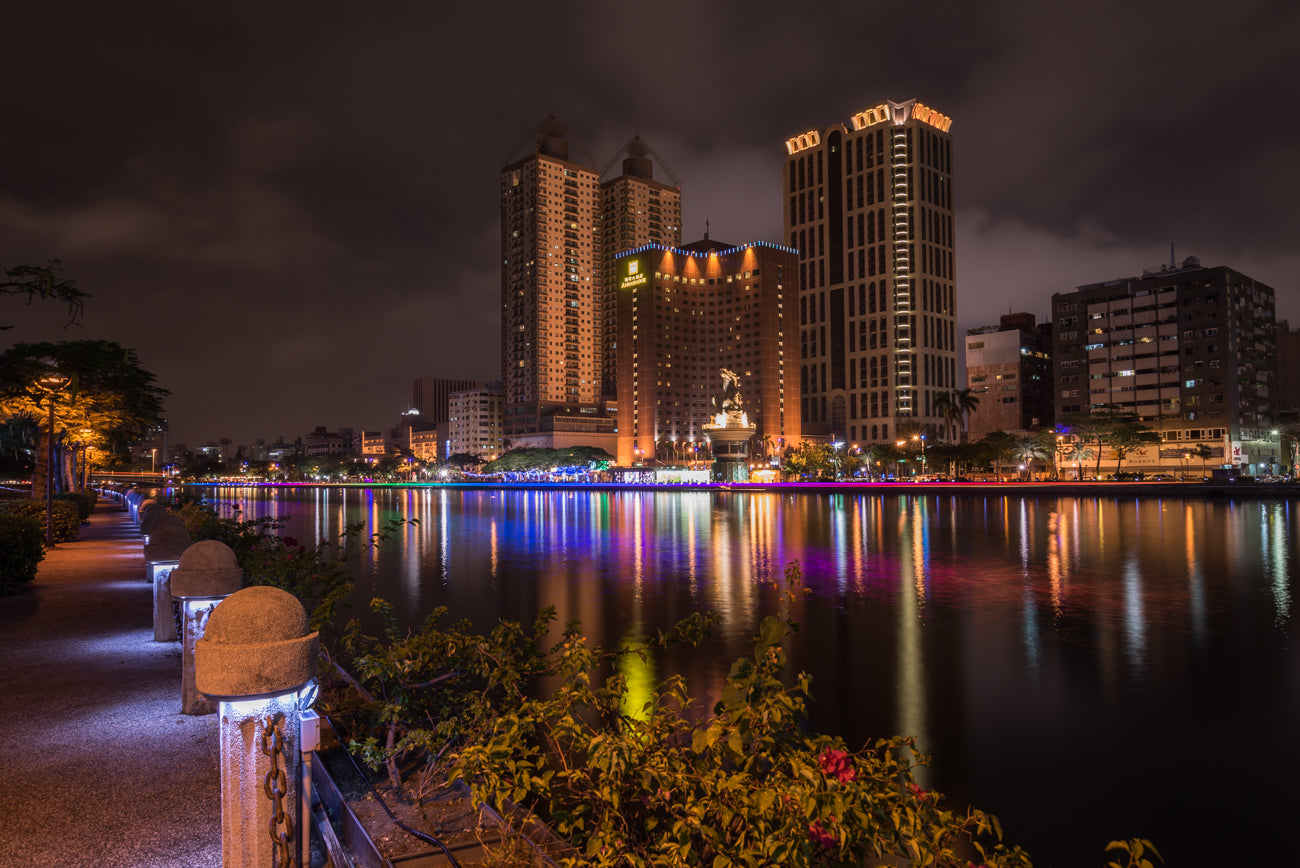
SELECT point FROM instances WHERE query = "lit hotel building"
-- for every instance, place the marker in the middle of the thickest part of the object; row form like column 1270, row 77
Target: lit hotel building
column 559, row 228
column 686, row 313
column 869, row 208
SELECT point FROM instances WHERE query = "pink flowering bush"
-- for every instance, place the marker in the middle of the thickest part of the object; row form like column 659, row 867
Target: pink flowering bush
column 744, row 786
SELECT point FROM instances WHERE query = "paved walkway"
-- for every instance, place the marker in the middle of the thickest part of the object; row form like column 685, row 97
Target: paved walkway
column 97, row 764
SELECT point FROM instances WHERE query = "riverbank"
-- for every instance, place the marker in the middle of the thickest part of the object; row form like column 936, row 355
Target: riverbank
column 1289, row 490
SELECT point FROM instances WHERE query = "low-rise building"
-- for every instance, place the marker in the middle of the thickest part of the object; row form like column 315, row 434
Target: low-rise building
column 1009, row 369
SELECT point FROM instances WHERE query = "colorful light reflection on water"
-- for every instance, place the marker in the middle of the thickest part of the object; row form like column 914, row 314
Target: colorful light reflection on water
column 1086, row 668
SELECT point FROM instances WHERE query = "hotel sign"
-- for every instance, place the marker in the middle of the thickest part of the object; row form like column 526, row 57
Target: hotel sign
column 632, row 275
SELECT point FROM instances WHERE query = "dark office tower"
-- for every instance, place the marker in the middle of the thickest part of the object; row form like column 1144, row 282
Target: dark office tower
column 1192, row 351
column 635, row 209
column 431, row 396
column 869, row 207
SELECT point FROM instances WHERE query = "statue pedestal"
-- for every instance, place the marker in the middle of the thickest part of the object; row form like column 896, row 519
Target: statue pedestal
column 730, row 445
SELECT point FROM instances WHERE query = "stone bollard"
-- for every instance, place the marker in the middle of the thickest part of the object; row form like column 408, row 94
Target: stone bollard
column 255, row 658
column 138, row 500
column 151, row 512
column 161, row 555
column 208, row 573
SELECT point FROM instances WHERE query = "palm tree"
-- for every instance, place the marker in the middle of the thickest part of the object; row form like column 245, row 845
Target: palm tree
column 1076, row 450
column 1203, row 452
column 1026, row 449
column 946, row 407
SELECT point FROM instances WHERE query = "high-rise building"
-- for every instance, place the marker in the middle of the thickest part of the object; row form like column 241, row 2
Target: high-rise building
column 869, row 207
column 1009, row 370
column 1190, row 350
column 635, row 209
column 475, row 424
column 1286, row 401
column 685, row 314
column 430, row 396
column 560, row 227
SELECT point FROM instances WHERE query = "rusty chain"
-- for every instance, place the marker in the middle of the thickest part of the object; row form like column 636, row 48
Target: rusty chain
column 276, row 786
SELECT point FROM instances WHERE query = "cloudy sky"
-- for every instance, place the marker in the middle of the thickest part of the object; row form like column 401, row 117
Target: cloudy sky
column 289, row 209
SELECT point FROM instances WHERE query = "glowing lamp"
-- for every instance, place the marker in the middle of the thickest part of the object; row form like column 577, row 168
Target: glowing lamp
column 255, row 658
column 207, row 573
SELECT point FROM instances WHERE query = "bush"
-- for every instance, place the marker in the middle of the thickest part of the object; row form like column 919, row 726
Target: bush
column 66, row 516
column 639, row 776
column 21, row 550
column 85, row 501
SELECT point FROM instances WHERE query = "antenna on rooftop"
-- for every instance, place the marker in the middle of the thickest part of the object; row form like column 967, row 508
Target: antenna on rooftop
column 1172, row 261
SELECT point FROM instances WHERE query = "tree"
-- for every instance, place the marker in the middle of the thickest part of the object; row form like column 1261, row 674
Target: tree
column 955, row 407
column 1026, row 449
column 44, row 282
column 1075, row 450
column 1203, row 452
column 108, row 402
column 809, row 459
column 1124, row 433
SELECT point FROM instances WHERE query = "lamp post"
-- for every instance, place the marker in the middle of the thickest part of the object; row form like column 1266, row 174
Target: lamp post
column 52, row 383
column 921, row 437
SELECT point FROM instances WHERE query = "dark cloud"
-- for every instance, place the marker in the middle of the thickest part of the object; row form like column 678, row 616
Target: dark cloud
column 290, row 209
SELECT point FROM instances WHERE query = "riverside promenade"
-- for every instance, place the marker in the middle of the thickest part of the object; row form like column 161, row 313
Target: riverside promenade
column 97, row 764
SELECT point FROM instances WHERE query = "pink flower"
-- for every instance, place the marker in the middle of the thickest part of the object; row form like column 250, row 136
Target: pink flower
column 290, row 542
column 922, row 794
column 836, row 764
column 820, row 836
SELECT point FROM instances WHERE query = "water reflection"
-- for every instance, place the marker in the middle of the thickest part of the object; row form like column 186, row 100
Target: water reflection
column 1031, row 644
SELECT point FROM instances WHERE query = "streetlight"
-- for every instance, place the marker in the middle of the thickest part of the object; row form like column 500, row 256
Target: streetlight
column 52, row 383
column 153, row 460
column 921, row 437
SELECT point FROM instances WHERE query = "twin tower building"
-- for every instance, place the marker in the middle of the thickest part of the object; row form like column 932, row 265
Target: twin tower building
column 614, row 332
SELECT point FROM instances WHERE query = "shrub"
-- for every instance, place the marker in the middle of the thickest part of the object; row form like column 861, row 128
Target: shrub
column 85, row 501
column 653, row 780
column 66, row 516
column 21, row 549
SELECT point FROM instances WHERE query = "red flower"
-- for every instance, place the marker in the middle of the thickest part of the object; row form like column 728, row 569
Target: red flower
column 290, row 542
column 836, row 764
column 820, row 836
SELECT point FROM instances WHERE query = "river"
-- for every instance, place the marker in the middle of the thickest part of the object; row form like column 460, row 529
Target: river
column 1085, row 668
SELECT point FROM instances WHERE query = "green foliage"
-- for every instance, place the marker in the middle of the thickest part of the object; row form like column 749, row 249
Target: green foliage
column 1135, row 852
column 653, row 781
column 22, row 545
column 84, row 500
column 65, row 517
column 527, row 460
column 108, row 400
column 44, row 282
column 815, row 460
column 317, row 575
column 438, row 687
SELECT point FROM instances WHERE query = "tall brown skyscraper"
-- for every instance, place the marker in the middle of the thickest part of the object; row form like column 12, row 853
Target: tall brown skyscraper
column 869, row 207
column 635, row 209
column 560, row 228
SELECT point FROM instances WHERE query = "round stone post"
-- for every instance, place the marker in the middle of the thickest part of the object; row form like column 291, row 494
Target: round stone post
column 142, row 507
column 255, row 657
column 206, row 575
column 161, row 555
column 151, row 513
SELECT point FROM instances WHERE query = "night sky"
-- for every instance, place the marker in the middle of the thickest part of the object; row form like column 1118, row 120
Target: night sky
column 290, row 209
